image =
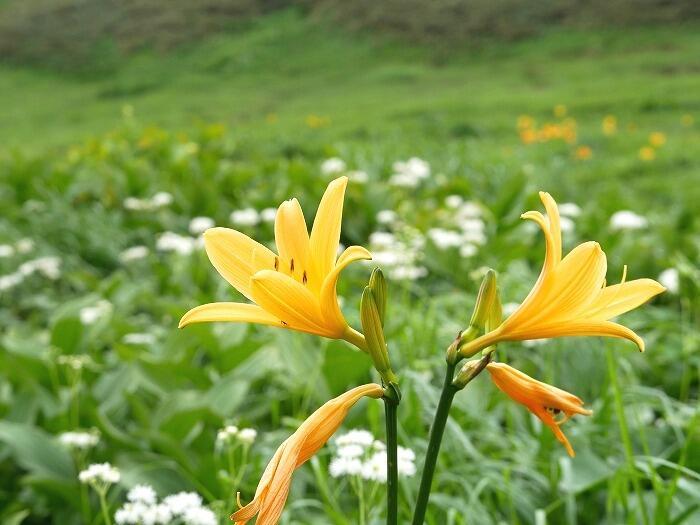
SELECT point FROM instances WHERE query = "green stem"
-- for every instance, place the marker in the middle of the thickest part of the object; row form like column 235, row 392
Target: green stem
column 104, row 507
column 392, row 468
column 624, row 433
column 436, row 433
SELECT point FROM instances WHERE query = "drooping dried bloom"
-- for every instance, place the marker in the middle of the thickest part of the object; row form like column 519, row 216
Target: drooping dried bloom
column 295, row 288
column 551, row 404
column 313, row 433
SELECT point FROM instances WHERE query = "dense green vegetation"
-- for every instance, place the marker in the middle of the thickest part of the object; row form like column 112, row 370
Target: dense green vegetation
column 247, row 120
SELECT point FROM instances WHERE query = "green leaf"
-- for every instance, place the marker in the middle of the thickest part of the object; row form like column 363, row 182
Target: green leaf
column 36, row 451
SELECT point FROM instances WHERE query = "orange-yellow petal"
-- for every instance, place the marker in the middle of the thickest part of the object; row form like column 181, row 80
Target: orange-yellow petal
column 292, row 240
column 231, row 312
column 328, row 297
column 231, row 253
column 620, row 298
column 325, row 234
column 289, row 301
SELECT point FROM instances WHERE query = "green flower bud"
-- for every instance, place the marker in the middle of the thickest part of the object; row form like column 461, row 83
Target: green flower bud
column 488, row 293
column 377, row 283
column 374, row 335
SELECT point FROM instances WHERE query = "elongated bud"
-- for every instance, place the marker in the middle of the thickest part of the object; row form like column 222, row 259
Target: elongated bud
column 374, row 335
column 484, row 301
column 469, row 371
column 377, row 284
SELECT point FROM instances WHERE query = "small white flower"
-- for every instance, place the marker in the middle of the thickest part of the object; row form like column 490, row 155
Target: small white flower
column 469, row 210
column 136, row 204
column 162, row 514
column 472, row 225
column 333, row 166
column 199, row 225
column 102, row 473
column 408, row 273
column 670, row 278
column 131, row 514
column 142, row 494
column 351, row 450
column 79, row 440
column 386, row 217
column 245, row 217
column 6, row 250
column 182, row 501
column 566, row 224
column 199, row 516
column 25, row 245
column 359, row 177
column 90, row 314
column 226, row 434
column 357, row 436
column 268, row 214
column 247, row 435
column 139, row 339
column 10, row 280
column 569, row 209
column 453, row 201
column 49, row 267
column 382, row 239
column 342, row 466
column 404, row 180
column 160, row 199
column 134, row 253
column 509, row 308
column 468, row 250
column 172, row 242
column 627, row 220
column 76, row 362
column 444, row 239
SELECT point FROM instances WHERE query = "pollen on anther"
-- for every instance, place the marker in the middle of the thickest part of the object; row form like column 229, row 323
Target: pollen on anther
column 304, row 279
column 284, row 323
column 277, row 263
column 291, row 265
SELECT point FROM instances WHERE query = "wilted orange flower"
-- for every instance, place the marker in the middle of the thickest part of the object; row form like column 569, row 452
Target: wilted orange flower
column 551, row 404
column 657, row 139
column 273, row 488
column 583, row 153
column 295, row 288
column 570, row 296
column 647, row 153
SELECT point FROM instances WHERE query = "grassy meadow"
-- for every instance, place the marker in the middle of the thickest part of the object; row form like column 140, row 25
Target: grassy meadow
column 102, row 175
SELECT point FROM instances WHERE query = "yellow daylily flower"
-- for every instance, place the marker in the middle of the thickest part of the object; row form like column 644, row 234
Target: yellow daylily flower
column 273, row 488
column 552, row 405
column 294, row 288
column 570, row 296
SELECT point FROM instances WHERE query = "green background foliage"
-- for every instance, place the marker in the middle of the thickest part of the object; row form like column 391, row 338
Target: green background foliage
column 264, row 105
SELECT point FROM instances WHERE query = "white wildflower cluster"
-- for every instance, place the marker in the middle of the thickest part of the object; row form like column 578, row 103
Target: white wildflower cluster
column 467, row 231
column 268, row 214
column 359, row 454
column 143, row 508
column 22, row 246
column 174, row 242
column 400, row 255
column 387, row 217
column 246, row 217
column 80, row 440
column 159, row 200
column 627, row 220
column 198, row 225
column 100, row 474
column 139, row 338
column 49, row 267
column 409, row 173
column 133, row 253
column 333, row 166
column 75, row 362
column 91, row 314
column 358, row 176
column 671, row 279
column 568, row 211
column 232, row 434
